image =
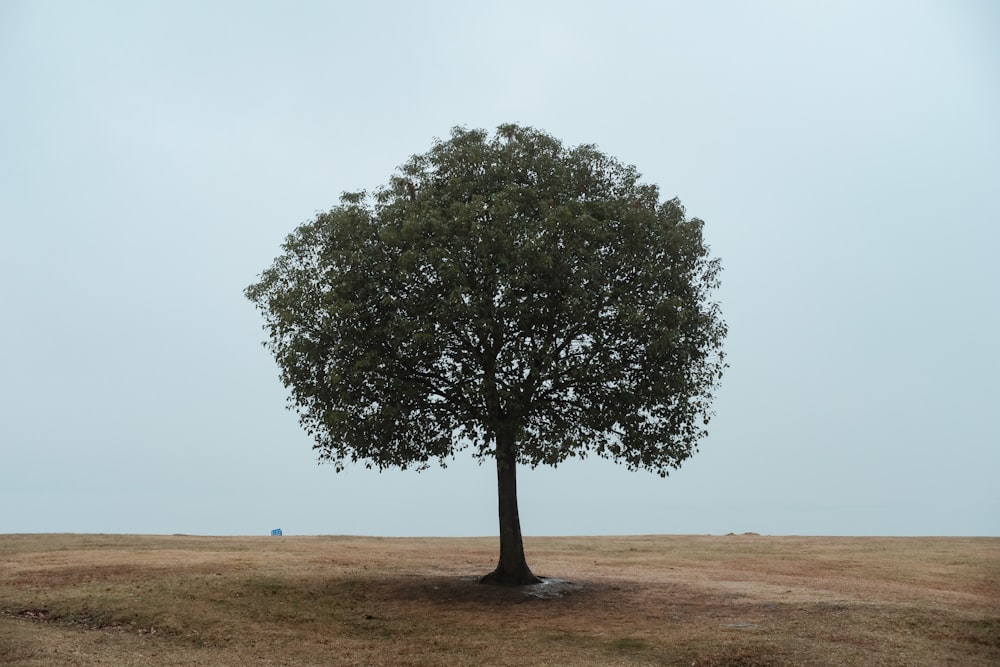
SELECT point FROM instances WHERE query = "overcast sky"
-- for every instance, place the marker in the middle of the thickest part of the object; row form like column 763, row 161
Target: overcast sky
column 845, row 157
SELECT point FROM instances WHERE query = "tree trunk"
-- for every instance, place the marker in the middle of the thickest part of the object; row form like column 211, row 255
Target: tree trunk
column 512, row 570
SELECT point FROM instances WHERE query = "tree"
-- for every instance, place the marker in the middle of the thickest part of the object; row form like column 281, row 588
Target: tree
column 502, row 293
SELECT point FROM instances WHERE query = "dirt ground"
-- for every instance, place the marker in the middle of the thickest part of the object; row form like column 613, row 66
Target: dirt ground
column 736, row 600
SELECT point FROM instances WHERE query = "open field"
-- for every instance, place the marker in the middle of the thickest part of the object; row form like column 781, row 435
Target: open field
column 739, row 600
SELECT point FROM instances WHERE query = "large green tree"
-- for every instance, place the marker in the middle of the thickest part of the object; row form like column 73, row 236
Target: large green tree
column 502, row 293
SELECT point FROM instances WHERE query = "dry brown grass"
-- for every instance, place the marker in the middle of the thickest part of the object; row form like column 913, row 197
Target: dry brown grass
column 739, row 600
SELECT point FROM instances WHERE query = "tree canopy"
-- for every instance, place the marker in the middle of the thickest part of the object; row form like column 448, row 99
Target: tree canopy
column 502, row 293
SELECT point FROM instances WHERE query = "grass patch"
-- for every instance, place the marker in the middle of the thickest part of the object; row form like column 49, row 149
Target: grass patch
column 742, row 600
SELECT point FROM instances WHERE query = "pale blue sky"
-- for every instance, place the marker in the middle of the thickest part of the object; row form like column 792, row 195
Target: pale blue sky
column 844, row 155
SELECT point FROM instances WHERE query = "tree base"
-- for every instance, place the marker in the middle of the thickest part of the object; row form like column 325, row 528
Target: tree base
column 503, row 577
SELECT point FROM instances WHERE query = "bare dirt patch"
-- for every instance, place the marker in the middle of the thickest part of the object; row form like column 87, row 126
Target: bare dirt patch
column 651, row 600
